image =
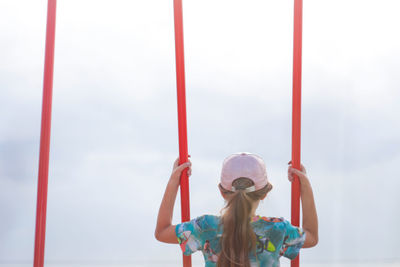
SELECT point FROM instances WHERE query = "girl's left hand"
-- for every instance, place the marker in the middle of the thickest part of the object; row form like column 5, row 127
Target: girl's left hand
column 177, row 169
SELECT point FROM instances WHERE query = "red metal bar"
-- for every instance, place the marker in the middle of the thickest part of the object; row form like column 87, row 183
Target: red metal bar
column 183, row 147
column 40, row 234
column 296, row 115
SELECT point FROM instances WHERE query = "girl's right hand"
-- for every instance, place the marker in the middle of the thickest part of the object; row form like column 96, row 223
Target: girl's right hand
column 310, row 218
column 301, row 174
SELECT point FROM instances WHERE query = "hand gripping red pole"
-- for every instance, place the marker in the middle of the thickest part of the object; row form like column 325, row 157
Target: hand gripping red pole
column 183, row 147
column 40, row 234
column 296, row 115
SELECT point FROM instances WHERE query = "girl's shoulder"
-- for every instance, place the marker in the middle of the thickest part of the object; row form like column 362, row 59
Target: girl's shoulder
column 263, row 222
column 269, row 219
column 207, row 221
column 208, row 217
column 279, row 224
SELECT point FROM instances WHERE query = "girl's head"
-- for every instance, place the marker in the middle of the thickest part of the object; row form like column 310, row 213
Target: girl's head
column 243, row 184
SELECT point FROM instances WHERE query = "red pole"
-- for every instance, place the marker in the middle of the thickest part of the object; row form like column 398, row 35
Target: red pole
column 296, row 114
column 40, row 234
column 183, row 147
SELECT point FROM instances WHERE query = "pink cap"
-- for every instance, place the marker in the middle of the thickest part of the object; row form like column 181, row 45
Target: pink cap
column 244, row 164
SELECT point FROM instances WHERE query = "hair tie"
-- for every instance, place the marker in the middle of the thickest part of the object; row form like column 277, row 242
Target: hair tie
column 248, row 189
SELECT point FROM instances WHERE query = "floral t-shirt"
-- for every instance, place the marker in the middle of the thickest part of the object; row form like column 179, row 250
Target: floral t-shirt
column 276, row 237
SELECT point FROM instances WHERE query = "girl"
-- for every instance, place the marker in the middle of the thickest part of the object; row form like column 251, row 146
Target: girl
column 239, row 237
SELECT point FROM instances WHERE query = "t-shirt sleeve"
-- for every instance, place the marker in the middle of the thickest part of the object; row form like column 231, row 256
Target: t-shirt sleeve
column 293, row 240
column 189, row 235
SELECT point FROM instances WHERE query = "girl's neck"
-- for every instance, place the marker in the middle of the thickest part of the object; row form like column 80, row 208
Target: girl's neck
column 254, row 208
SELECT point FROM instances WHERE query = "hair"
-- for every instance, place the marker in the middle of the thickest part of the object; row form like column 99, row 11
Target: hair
column 238, row 239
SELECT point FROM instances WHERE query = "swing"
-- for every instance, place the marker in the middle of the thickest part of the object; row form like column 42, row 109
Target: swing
column 40, row 230
column 296, row 116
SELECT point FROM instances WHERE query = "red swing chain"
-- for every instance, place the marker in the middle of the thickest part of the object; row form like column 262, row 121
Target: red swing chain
column 40, row 234
column 296, row 115
column 183, row 147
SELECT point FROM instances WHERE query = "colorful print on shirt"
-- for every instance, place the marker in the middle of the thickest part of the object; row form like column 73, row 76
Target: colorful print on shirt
column 276, row 237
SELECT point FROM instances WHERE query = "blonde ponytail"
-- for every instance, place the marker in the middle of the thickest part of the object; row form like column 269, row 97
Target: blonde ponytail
column 238, row 239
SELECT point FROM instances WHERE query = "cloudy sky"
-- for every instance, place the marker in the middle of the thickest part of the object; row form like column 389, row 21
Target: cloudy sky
column 114, row 130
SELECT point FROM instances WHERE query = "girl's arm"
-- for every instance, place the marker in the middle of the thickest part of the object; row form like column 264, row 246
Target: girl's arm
column 310, row 219
column 165, row 231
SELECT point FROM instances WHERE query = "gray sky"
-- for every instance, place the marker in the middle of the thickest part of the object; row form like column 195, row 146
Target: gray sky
column 114, row 129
